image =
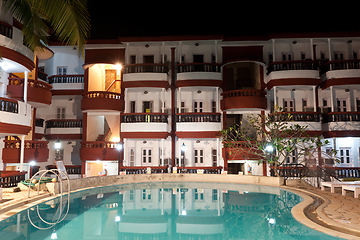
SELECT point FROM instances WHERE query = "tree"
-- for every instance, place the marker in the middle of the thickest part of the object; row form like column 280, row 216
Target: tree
column 272, row 138
column 69, row 21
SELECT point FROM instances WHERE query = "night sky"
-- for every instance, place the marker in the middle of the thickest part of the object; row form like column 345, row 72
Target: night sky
column 112, row 19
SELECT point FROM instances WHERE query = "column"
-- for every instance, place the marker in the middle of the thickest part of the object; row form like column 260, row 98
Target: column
column 275, row 97
column 217, row 100
column 217, row 151
column 127, row 54
column 162, row 152
column 273, row 47
column 22, row 152
column 25, row 86
column 163, row 52
column 126, row 107
column 329, row 49
column 314, row 98
column 332, row 99
column 312, row 49
column 124, row 151
column 216, row 51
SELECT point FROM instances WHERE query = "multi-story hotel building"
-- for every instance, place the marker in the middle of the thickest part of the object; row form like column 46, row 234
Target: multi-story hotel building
column 159, row 102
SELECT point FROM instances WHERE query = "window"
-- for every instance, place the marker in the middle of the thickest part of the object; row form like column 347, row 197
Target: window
column 132, row 107
column 303, row 55
column 358, row 105
column 147, row 106
column 287, row 56
column 199, row 195
column 59, row 154
column 132, row 157
column 146, row 194
column 338, row 55
column 270, row 57
column 214, row 157
column 60, row 113
column 132, row 59
column 146, row 155
column 213, row 106
column 355, row 55
column 198, row 106
column 214, row 195
column 292, row 157
column 182, row 107
column 304, row 104
column 341, row 105
column 289, row 105
column 199, row 156
column 344, row 155
column 61, row 70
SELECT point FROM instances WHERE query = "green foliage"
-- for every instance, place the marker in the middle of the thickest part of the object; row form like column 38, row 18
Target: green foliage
column 69, row 20
column 277, row 130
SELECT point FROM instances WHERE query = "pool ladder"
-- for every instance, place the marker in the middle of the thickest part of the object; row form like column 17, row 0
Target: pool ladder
column 59, row 175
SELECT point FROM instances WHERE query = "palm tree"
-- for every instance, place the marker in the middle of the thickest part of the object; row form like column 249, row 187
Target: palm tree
column 67, row 20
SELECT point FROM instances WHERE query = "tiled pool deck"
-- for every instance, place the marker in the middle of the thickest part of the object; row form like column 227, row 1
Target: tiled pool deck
column 337, row 215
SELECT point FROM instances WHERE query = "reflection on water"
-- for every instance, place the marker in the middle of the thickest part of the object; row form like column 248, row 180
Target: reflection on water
column 164, row 211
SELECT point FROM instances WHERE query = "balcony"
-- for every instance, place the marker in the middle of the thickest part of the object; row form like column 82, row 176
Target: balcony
column 6, row 30
column 310, row 119
column 301, row 69
column 101, row 100
column 39, row 128
column 199, row 74
column 34, row 151
column 342, row 121
column 66, row 82
column 98, row 150
column 15, row 117
column 63, row 129
column 147, row 125
column 190, row 124
column 241, row 152
column 244, row 100
column 145, row 75
column 347, row 70
column 38, row 92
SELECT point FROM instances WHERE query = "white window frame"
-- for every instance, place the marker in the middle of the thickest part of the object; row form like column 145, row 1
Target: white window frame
column 61, row 70
column 199, row 159
column 287, row 102
column 132, row 157
column 214, row 156
column 345, row 155
column 148, row 157
column 198, row 106
column 341, row 108
column 289, row 56
column 60, row 113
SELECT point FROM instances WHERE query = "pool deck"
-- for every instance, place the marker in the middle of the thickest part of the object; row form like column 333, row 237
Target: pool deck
column 336, row 214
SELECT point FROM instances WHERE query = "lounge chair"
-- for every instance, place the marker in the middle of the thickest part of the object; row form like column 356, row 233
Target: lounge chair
column 333, row 185
column 354, row 188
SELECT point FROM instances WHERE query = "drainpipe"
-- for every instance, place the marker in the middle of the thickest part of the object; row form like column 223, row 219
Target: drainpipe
column 173, row 107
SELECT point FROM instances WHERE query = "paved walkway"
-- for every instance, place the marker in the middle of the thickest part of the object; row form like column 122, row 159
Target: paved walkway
column 341, row 213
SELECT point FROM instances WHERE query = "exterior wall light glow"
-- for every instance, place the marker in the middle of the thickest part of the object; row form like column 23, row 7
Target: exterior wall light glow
column 58, row 144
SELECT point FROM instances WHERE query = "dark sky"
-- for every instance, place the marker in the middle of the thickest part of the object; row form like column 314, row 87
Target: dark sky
column 112, row 19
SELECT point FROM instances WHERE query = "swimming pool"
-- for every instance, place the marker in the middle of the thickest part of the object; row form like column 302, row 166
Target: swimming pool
column 164, row 211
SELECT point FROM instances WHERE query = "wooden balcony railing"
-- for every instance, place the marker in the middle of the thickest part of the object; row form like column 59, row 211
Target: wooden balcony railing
column 244, row 93
column 146, row 68
column 198, row 117
column 39, row 122
column 42, row 75
column 101, row 100
column 102, row 94
column 341, row 65
column 199, row 67
column 64, row 123
column 144, row 117
column 143, row 169
column 98, row 144
column 66, row 79
column 10, row 179
column 297, row 117
column 344, row 172
column 6, row 29
column 16, row 81
column 70, row 169
column 8, row 105
column 207, row 170
column 9, row 144
column 341, row 117
column 293, row 65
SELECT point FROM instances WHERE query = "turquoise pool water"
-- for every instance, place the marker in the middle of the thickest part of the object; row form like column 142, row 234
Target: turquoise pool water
column 163, row 211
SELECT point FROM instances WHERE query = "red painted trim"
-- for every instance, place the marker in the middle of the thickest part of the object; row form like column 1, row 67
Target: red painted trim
column 199, row 82
column 67, row 92
column 207, row 134
column 84, row 133
column 14, row 128
column 33, row 124
column 292, row 81
column 145, row 135
column 101, row 100
column 145, row 83
column 98, row 56
column 17, row 57
column 350, row 133
column 339, row 82
column 171, row 38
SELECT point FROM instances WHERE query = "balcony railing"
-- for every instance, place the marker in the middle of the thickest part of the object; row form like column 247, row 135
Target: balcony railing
column 146, row 68
column 244, row 93
column 144, row 117
column 143, row 169
column 39, row 122
column 98, row 144
column 16, row 81
column 199, row 67
column 64, row 123
column 293, row 65
column 341, row 117
column 344, row 172
column 206, row 170
column 297, row 117
column 341, row 65
column 70, row 169
column 198, row 117
column 15, row 144
column 6, row 29
column 66, row 79
column 102, row 94
column 10, row 179
column 101, row 100
column 8, row 105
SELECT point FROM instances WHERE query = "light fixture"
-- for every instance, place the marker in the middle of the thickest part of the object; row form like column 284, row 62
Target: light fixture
column 199, row 91
column 197, row 44
column 269, row 148
column 347, row 90
column 144, row 142
column 117, row 219
column 272, row 221
column 183, row 147
column 294, row 42
column 183, row 212
column 119, row 146
column 58, row 144
column 147, row 45
column 32, row 163
column 146, row 92
column 54, row 235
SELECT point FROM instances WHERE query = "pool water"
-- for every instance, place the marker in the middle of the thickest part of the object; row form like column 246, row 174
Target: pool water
column 163, row 211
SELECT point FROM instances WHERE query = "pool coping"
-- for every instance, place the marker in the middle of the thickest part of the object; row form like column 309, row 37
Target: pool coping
column 298, row 211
